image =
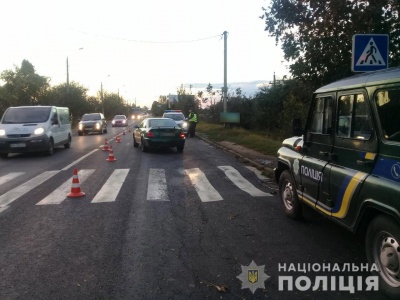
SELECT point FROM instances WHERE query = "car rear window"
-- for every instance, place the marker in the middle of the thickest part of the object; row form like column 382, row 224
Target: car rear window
column 162, row 123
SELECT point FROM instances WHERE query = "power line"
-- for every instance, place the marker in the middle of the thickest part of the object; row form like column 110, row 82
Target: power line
column 149, row 41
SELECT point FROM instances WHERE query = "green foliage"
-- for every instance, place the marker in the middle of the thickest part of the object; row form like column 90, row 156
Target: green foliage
column 23, row 86
column 114, row 105
column 252, row 139
column 75, row 99
column 157, row 108
column 317, row 35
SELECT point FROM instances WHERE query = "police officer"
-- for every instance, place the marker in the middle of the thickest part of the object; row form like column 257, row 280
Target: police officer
column 192, row 119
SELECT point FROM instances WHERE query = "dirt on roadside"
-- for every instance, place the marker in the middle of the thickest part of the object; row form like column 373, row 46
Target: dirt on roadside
column 265, row 161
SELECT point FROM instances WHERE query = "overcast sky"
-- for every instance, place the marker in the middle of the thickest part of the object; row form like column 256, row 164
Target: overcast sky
column 142, row 49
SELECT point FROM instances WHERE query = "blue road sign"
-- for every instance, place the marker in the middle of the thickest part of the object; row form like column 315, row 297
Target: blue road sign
column 370, row 52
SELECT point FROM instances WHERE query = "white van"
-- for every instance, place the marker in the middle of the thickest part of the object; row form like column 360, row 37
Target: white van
column 34, row 128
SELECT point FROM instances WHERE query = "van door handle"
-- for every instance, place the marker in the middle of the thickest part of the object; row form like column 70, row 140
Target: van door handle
column 322, row 153
column 362, row 162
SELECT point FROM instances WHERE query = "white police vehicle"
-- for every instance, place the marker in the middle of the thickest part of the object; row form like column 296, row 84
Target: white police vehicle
column 178, row 117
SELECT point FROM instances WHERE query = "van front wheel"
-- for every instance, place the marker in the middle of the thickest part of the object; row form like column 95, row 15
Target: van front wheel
column 68, row 144
column 382, row 244
column 50, row 148
column 288, row 195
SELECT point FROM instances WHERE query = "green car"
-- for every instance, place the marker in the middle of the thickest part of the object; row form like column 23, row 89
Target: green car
column 158, row 133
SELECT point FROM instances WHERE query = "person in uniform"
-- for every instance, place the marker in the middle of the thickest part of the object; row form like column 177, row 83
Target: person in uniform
column 192, row 119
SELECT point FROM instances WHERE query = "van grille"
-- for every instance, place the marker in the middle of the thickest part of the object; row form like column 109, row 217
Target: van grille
column 13, row 136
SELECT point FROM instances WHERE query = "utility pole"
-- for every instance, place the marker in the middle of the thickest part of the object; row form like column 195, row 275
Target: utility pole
column 225, row 91
column 67, row 77
column 102, row 98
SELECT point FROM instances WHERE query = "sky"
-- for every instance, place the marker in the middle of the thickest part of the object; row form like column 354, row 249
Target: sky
column 140, row 49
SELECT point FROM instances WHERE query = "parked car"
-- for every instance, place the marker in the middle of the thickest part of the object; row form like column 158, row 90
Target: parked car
column 93, row 122
column 158, row 133
column 119, row 120
column 34, row 128
column 178, row 117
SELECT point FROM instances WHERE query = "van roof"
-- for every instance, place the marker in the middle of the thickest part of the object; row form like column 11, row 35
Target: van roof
column 36, row 106
column 390, row 75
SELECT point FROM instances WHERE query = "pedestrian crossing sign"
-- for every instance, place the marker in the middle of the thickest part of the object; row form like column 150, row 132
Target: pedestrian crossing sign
column 370, row 52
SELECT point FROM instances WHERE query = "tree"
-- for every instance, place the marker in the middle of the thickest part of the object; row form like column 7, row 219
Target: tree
column 316, row 36
column 23, row 85
column 158, row 108
column 114, row 105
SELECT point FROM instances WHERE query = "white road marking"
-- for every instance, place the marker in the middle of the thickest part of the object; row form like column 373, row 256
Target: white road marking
column 10, row 176
column 257, row 172
column 21, row 190
column 78, row 160
column 241, row 182
column 203, row 187
column 157, row 185
column 3, row 208
column 60, row 194
column 110, row 190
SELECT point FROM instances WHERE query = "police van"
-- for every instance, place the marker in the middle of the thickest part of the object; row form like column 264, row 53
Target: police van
column 34, row 128
column 346, row 165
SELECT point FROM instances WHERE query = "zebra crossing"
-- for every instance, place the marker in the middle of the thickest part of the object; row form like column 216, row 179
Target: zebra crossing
column 157, row 188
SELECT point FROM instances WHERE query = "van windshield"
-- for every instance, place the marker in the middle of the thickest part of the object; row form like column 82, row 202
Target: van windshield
column 91, row 117
column 22, row 115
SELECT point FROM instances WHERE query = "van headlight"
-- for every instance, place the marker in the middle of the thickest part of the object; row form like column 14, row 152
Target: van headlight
column 97, row 125
column 2, row 132
column 39, row 131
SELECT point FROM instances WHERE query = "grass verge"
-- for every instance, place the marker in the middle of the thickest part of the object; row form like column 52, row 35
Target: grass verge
column 251, row 139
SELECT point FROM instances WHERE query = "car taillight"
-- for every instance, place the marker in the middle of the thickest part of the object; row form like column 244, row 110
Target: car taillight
column 182, row 135
column 150, row 134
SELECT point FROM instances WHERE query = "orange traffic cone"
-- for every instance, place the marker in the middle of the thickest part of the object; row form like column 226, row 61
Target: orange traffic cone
column 111, row 155
column 105, row 147
column 118, row 139
column 75, row 188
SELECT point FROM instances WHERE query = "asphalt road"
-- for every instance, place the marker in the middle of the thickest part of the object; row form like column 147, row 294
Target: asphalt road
column 157, row 225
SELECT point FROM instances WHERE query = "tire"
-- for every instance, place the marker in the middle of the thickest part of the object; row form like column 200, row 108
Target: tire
column 180, row 148
column 288, row 195
column 3, row 155
column 135, row 144
column 143, row 146
column 68, row 144
column 50, row 148
column 382, row 245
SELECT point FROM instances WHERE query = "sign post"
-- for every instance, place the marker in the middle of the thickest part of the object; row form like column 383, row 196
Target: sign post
column 370, row 52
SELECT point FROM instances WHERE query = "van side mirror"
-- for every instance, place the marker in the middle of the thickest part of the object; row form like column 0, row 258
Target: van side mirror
column 296, row 127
